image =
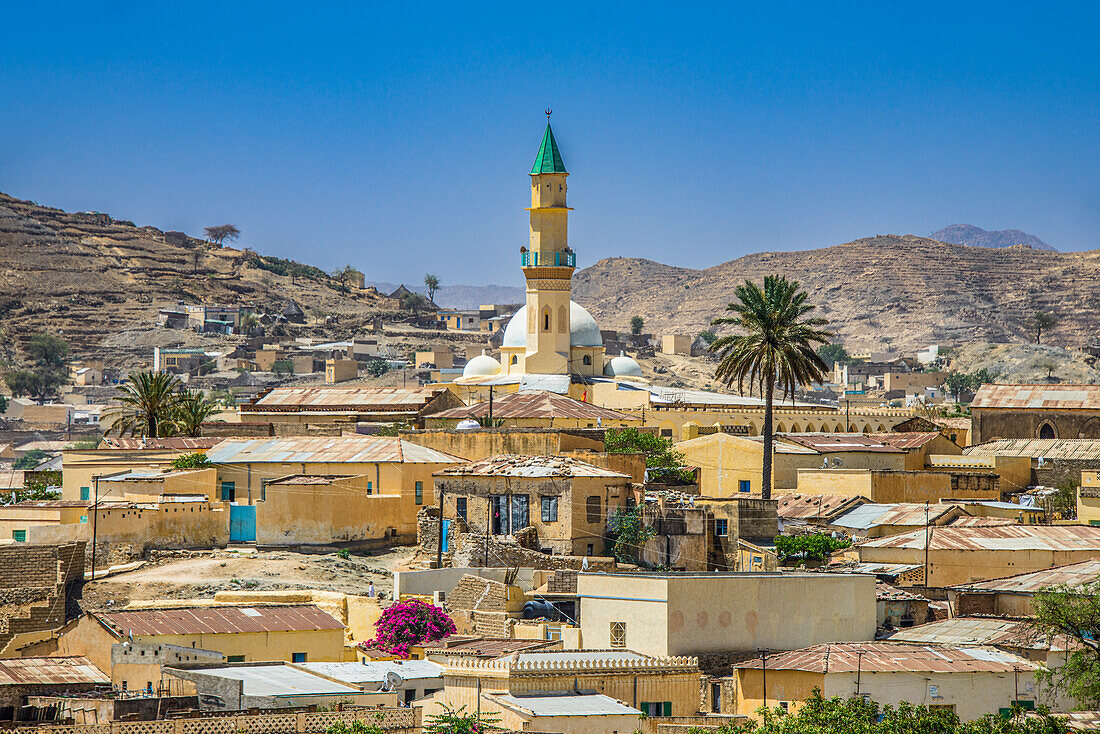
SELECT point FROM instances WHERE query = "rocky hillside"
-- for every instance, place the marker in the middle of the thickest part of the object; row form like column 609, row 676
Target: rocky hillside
column 86, row 276
column 886, row 293
column 971, row 236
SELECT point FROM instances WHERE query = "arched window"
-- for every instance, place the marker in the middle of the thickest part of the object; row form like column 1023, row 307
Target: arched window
column 587, row 360
column 1047, row 430
column 546, row 320
column 515, row 359
column 561, row 319
column 1091, row 429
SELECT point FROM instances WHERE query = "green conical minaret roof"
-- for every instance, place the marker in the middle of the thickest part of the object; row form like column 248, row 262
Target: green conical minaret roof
column 549, row 158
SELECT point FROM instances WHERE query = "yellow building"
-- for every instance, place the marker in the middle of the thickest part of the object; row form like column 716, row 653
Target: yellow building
column 119, row 456
column 291, row 632
column 968, row 681
column 340, row 370
column 304, row 509
column 890, row 486
column 536, row 409
column 1088, row 498
column 696, row 613
column 311, row 405
column 676, row 344
column 1014, row 596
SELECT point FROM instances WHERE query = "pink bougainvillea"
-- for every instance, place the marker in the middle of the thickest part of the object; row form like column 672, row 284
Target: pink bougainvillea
column 406, row 624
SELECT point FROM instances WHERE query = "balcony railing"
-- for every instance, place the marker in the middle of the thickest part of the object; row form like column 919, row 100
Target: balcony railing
column 559, row 259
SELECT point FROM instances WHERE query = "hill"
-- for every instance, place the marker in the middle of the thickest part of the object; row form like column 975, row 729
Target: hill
column 885, row 293
column 463, row 296
column 971, row 236
column 86, row 276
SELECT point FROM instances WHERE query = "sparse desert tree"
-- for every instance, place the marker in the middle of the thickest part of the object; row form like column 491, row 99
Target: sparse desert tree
column 432, row 282
column 637, row 323
column 414, row 302
column 191, row 409
column 1074, row 614
column 1041, row 320
column 222, row 232
column 776, row 348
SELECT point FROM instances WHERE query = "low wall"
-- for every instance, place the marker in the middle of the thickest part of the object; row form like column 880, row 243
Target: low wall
column 424, row 583
column 397, row 720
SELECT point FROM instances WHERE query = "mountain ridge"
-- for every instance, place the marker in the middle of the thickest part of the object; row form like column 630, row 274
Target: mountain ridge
column 973, row 236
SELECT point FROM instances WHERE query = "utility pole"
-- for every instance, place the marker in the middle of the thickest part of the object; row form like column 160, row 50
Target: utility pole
column 490, row 407
column 95, row 508
column 1016, row 685
column 439, row 545
column 927, row 539
column 764, row 674
column 488, row 522
column 859, row 660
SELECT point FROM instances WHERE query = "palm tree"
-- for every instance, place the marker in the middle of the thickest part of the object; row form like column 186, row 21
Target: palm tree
column 433, row 285
column 189, row 412
column 148, row 400
column 776, row 348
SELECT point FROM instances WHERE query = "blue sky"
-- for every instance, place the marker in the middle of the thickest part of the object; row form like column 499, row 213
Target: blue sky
column 398, row 137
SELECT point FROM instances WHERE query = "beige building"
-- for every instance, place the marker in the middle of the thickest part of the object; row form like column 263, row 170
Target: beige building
column 1036, row 411
column 969, row 681
column 536, row 409
column 876, row 521
column 304, row 509
column 1014, row 596
column 120, row 456
column 340, row 370
column 957, row 555
column 676, row 344
column 695, row 613
column 308, row 405
column 1088, row 498
column 887, row 486
column 566, row 500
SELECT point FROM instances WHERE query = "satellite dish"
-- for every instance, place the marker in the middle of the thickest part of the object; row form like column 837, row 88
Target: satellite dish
column 836, row 462
column 1042, row 462
column 394, row 680
column 467, row 425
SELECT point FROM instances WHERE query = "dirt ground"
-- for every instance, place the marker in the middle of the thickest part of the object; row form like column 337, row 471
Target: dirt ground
column 200, row 574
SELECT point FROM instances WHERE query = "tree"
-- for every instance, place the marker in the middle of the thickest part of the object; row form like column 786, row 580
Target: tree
column 282, row 367
column 834, row 353
column 30, row 460
column 406, row 624
column 414, row 302
column 630, row 532
column 1073, row 613
column 433, row 285
column 776, row 348
column 457, row 721
column 195, row 460
column 377, row 367
column 637, row 323
column 662, row 460
column 250, row 322
column 1041, row 320
column 47, row 350
column 148, row 400
column 47, row 371
column 222, row 232
column 811, row 547
column 189, row 412
column 1049, row 366
column 957, row 383
column 708, row 336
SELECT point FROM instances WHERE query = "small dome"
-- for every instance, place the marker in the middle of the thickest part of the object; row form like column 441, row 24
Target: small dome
column 481, row 366
column 622, row 366
column 467, row 424
column 583, row 330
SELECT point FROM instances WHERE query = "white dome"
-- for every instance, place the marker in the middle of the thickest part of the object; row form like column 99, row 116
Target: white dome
column 583, row 330
column 623, row 366
column 467, row 424
column 481, row 366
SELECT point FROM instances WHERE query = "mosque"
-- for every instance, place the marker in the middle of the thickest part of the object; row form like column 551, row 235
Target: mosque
column 551, row 334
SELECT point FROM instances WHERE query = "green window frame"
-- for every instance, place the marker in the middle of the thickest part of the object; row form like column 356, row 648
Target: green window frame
column 85, row 494
column 19, row 536
column 228, row 491
column 83, row 518
column 370, row 487
column 418, row 490
column 234, row 658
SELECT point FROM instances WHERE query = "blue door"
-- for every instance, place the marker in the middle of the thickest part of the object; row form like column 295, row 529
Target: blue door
column 242, row 524
column 446, row 528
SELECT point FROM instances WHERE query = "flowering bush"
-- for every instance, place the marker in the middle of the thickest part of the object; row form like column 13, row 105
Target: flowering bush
column 405, row 624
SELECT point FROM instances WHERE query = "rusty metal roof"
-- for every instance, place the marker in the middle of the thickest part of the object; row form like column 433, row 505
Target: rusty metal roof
column 537, row 404
column 868, row 516
column 176, row 442
column 827, row 443
column 905, row 440
column 320, row 479
column 326, row 449
column 797, row 506
column 486, row 647
column 956, row 423
column 515, row 465
column 1072, row 574
column 49, row 671
column 886, row 592
column 221, row 620
column 361, row 399
column 1042, row 397
column 978, row 631
column 1049, row 448
column 1006, row 538
column 977, row 522
column 891, row 657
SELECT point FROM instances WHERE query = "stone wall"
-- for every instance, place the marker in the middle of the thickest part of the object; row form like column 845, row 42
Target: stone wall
column 393, row 720
column 35, row 585
column 469, row 550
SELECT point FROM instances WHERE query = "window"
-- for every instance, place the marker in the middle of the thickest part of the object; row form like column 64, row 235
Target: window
column 549, row 509
column 297, row 657
column 515, row 359
column 19, row 536
column 666, row 432
column 656, row 708
column 546, row 320
column 370, row 487
column 716, row 698
column 83, row 518
column 418, row 490
column 587, row 360
column 721, row 528
column 85, row 494
column 460, row 507
column 553, row 633
column 521, row 514
column 589, row 551
column 234, row 658
column 229, row 491
column 618, row 634
column 125, row 685
column 744, row 486
column 593, row 509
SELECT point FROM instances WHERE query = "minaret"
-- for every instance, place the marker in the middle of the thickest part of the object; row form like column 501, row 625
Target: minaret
column 548, row 263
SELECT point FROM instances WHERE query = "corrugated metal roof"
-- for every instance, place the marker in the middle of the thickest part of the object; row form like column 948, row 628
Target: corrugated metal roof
column 564, row 656
column 1072, row 574
column 797, row 506
column 976, row 631
column 1008, row 538
column 375, row 671
column 956, row 423
column 875, row 569
column 868, row 516
column 515, row 465
column 280, row 680
column 1043, row 397
column 891, row 657
column 905, row 440
column 175, row 442
column 49, row 671
column 220, row 620
column 567, row 704
column 328, row 449
column 829, row 443
column 886, row 592
column 978, row 522
column 1048, row 448
column 485, row 647
column 363, row 399
column 539, row 404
